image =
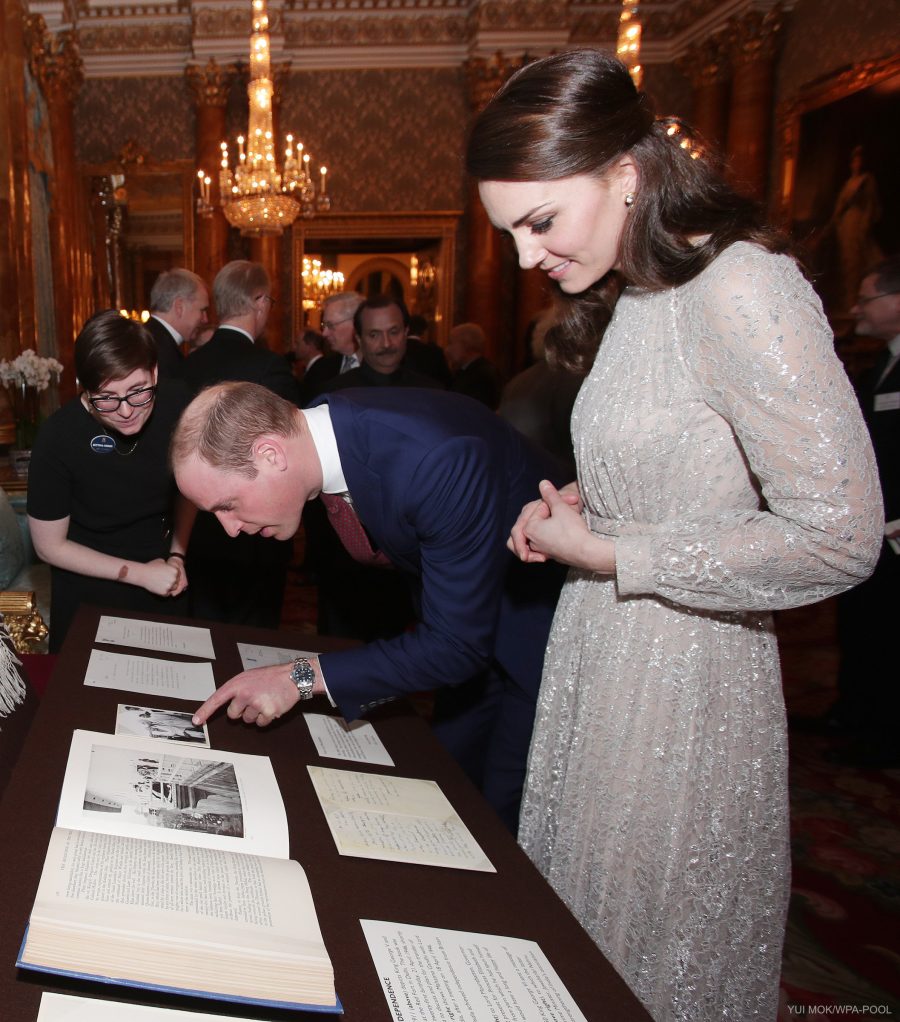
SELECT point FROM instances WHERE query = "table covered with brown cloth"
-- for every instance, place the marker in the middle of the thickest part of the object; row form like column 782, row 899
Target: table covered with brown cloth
column 516, row 901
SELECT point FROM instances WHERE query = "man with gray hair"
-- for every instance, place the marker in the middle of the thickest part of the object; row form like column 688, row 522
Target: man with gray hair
column 238, row 581
column 243, row 298
column 179, row 303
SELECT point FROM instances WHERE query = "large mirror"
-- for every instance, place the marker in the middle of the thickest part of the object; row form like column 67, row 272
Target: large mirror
column 143, row 223
column 410, row 255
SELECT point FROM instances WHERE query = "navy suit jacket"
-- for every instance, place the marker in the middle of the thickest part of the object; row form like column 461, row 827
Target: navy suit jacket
column 438, row 481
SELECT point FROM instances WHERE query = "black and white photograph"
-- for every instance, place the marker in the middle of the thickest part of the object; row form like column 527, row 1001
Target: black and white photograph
column 170, row 791
column 167, row 725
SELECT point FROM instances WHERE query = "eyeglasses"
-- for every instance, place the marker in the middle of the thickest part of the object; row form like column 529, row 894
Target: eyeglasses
column 268, row 298
column 860, row 300
column 136, row 399
column 330, row 324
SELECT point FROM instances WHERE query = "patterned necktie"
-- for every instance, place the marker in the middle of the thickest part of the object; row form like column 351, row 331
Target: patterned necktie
column 349, row 362
column 345, row 522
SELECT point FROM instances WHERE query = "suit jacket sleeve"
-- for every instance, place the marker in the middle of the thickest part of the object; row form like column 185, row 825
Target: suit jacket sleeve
column 453, row 512
column 279, row 378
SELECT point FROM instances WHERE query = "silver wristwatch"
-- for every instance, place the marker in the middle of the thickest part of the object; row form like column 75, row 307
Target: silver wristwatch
column 303, row 676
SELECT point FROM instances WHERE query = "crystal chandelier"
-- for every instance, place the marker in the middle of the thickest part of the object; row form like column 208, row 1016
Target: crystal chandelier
column 628, row 46
column 318, row 284
column 255, row 197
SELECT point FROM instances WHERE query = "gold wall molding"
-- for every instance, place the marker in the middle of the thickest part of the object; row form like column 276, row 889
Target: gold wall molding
column 211, row 83
column 520, row 15
column 820, row 92
column 754, row 35
column 136, row 38
column 54, row 60
column 371, row 30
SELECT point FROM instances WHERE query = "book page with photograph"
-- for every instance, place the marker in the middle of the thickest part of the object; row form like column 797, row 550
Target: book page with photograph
column 140, row 787
column 401, row 819
column 194, row 920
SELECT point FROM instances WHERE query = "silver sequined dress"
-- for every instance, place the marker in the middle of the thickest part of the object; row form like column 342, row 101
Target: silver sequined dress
column 719, row 443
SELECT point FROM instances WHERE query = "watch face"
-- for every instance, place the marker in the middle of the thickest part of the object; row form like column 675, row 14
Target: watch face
column 303, row 677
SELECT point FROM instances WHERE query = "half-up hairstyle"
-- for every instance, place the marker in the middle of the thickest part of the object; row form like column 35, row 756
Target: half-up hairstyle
column 579, row 112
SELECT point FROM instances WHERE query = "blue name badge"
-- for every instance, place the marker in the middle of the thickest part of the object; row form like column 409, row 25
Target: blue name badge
column 103, row 444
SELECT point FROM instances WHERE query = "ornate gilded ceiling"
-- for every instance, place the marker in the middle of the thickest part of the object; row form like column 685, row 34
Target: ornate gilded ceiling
column 134, row 38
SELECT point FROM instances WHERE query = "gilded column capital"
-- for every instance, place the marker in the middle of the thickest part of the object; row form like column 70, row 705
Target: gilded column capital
column 753, row 36
column 54, row 60
column 484, row 76
column 706, row 63
column 211, row 83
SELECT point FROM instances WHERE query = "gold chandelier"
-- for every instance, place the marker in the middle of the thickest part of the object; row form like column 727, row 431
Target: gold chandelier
column 628, row 46
column 318, row 284
column 256, row 197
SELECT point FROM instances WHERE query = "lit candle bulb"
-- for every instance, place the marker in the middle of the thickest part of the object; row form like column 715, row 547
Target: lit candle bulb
column 323, row 171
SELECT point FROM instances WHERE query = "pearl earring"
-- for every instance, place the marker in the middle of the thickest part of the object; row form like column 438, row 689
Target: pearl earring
column 629, row 198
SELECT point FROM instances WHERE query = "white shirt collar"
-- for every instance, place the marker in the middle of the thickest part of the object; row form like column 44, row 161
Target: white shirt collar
column 894, row 346
column 175, row 334
column 322, row 432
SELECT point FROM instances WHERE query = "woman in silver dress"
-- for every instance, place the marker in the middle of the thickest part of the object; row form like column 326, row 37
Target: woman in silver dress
column 724, row 471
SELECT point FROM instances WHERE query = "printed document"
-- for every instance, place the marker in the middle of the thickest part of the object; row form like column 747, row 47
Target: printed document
column 149, row 676
column 165, row 638
column 433, row 975
column 336, row 739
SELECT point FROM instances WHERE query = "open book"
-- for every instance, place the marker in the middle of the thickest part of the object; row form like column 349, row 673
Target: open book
column 178, row 900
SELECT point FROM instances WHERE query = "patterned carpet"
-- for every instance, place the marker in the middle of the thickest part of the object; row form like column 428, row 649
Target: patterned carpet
column 842, row 953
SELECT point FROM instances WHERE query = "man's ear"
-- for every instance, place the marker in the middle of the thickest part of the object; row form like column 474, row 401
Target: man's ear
column 269, row 452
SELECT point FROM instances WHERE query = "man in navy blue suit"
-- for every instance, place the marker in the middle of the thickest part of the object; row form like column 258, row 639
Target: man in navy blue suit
column 437, row 481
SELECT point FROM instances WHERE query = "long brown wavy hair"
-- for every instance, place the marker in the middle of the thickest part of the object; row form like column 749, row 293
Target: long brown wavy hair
column 578, row 112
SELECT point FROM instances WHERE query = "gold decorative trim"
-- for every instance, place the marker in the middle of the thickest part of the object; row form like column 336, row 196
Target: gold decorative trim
column 54, row 60
column 376, row 31
column 211, row 83
column 821, row 92
column 438, row 227
column 22, row 619
column 134, row 38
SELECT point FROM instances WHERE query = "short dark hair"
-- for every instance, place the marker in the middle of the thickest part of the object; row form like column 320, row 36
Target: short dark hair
column 111, row 347
column 887, row 275
column 577, row 113
column 379, row 302
column 317, row 340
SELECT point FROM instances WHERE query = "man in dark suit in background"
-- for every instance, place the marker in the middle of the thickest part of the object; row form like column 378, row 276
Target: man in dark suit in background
column 437, row 481
column 243, row 299
column 179, row 304
column 243, row 581
column 868, row 705
column 473, row 374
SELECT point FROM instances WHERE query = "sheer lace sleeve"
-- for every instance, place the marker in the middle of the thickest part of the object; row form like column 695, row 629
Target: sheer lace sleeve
column 753, row 336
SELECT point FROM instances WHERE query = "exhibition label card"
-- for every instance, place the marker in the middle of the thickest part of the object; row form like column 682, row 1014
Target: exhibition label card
column 149, row 676
column 334, row 738
column 165, row 638
column 253, row 655
column 401, row 819
column 434, row 975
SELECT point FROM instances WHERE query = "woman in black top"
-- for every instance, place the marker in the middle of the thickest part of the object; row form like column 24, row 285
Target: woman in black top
column 101, row 497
